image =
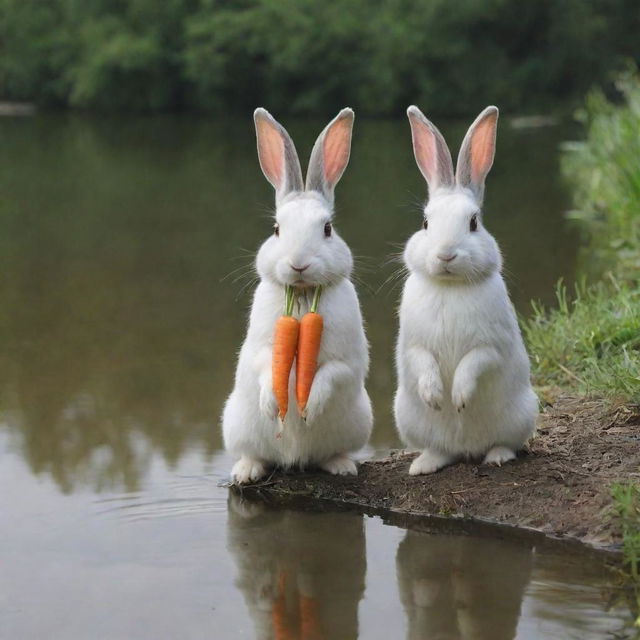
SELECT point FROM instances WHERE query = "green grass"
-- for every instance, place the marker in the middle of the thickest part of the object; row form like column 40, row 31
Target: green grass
column 626, row 500
column 590, row 342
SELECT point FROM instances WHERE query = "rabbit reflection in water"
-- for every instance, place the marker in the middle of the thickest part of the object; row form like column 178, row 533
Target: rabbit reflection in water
column 298, row 578
column 461, row 587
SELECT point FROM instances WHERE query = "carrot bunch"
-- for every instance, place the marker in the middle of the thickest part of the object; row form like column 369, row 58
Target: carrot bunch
column 300, row 341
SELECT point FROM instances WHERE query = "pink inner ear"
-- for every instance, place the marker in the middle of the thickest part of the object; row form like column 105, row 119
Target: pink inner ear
column 336, row 147
column 424, row 147
column 271, row 149
column 482, row 149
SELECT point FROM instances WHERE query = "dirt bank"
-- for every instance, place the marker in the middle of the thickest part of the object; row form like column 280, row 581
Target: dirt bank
column 559, row 487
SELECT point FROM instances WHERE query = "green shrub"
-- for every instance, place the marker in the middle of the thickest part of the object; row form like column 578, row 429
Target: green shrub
column 604, row 171
column 312, row 56
column 591, row 342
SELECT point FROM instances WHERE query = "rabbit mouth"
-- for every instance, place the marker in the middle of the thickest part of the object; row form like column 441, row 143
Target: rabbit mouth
column 445, row 271
column 302, row 284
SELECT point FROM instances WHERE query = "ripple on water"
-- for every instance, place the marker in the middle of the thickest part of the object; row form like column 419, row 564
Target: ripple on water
column 177, row 498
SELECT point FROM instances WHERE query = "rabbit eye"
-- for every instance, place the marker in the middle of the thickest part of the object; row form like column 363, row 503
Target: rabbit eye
column 276, row 229
column 327, row 230
column 473, row 224
column 425, row 224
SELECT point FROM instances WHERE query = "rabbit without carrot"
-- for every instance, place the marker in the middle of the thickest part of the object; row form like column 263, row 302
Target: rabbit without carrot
column 304, row 252
column 463, row 372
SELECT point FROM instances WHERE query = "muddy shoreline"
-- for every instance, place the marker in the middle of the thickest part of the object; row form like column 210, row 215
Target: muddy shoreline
column 558, row 491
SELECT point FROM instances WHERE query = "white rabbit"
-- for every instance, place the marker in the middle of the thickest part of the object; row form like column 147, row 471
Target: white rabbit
column 463, row 373
column 304, row 251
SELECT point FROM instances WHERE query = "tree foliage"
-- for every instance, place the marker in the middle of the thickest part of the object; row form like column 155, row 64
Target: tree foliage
column 304, row 56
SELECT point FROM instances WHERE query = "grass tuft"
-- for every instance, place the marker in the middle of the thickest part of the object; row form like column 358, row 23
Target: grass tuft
column 590, row 342
column 626, row 501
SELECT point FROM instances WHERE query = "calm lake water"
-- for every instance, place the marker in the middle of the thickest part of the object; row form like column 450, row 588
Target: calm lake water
column 118, row 336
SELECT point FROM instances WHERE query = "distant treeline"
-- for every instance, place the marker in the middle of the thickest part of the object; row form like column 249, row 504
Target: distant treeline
column 311, row 56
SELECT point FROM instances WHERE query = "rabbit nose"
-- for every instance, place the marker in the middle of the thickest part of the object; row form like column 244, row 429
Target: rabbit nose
column 300, row 269
column 446, row 257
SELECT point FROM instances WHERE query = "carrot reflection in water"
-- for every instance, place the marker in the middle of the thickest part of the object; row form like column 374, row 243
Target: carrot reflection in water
column 303, row 624
column 299, row 579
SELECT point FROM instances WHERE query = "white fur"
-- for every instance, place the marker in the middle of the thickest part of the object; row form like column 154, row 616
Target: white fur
column 340, row 465
column 498, row 456
column 338, row 417
column 463, row 372
column 247, row 470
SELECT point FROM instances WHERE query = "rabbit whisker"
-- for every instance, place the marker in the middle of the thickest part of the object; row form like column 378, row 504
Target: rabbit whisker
column 394, row 278
column 245, row 268
column 250, row 283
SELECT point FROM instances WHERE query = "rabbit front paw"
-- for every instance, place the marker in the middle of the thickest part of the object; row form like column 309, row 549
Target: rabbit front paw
column 461, row 392
column 268, row 402
column 431, row 392
column 317, row 401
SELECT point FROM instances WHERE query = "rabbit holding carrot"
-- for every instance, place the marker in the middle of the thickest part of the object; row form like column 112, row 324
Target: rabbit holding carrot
column 463, row 372
column 303, row 258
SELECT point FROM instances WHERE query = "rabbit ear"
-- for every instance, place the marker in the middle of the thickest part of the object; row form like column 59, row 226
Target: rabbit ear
column 431, row 151
column 477, row 152
column 330, row 155
column 277, row 155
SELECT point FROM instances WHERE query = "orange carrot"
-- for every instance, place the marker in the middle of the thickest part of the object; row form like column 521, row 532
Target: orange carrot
column 285, row 342
column 281, row 628
column 309, row 619
column 308, row 350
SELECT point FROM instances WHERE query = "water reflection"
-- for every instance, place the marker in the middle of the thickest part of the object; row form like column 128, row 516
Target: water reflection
column 461, row 587
column 302, row 575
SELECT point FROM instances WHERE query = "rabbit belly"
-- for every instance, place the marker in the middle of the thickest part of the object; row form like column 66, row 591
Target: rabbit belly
column 498, row 414
column 343, row 427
